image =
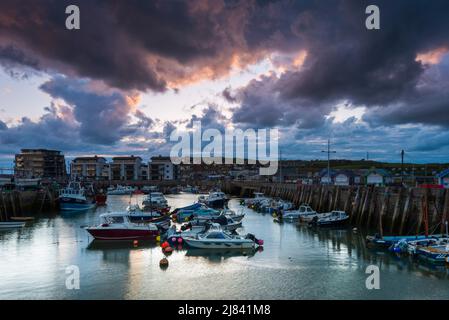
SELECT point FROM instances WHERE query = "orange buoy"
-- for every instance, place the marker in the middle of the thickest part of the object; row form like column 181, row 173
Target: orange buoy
column 165, row 244
column 167, row 250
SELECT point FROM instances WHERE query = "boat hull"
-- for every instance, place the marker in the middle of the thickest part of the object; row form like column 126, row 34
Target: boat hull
column 68, row 204
column 388, row 241
column 214, row 244
column 218, row 203
column 122, row 234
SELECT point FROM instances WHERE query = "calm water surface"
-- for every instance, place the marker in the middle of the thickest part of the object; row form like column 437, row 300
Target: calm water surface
column 296, row 263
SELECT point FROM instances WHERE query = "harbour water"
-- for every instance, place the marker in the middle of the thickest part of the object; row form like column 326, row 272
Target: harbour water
column 296, row 263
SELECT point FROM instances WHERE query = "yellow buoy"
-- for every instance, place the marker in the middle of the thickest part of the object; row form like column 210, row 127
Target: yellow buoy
column 158, row 238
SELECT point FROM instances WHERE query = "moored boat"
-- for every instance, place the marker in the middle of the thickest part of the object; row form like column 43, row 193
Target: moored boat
column 215, row 199
column 216, row 238
column 333, row 218
column 188, row 214
column 121, row 190
column 117, row 226
column 74, row 198
column 155, row 201
column 225, row 223
column 433, row 254
column 388, row 241
column 135, row 214
column 258, row 197
column 303, row 211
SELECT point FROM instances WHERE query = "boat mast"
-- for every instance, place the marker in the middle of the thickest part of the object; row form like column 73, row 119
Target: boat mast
column 329, row 151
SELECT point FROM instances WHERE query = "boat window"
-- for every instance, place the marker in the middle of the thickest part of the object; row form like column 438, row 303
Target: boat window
column 115, row 220
column 215, row 235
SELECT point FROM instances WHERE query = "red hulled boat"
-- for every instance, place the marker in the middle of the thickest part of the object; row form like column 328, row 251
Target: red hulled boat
column 117, row 226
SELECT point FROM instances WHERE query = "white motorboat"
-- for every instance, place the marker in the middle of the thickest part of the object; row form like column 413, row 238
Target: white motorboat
column 148, row 189
column 215, row 199
column 233, row 215
column 11, row 224
column 190, row 232
column 117, row 226
column 332, row 218
column 216, row 238
column 136, row 214
column 155, row 201
column 258, row 197
column 190, row 189
column 120, row 190
column 225, row 223
column 304, row 211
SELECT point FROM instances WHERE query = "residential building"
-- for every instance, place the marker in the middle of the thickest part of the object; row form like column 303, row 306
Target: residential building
column 378, row 177
column 126, row 168
column 40, row 163
column 161, row 168
column 88, row 167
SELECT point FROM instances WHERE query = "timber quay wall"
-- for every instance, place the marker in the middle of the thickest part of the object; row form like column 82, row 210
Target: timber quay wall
column 26, row 203
column 391, row 210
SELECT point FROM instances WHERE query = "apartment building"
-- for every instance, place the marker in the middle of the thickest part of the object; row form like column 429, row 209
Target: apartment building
column 40, row 163
column 161, row 168
column 88, row 167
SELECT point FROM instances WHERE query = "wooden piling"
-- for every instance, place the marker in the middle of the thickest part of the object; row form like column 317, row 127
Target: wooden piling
column 406, row 210
column 397, row 205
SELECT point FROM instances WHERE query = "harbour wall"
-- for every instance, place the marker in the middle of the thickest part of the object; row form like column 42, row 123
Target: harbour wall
column 26, row 203
column 391, row 210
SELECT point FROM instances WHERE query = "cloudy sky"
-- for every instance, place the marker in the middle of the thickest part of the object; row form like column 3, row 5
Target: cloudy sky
column 136, row 70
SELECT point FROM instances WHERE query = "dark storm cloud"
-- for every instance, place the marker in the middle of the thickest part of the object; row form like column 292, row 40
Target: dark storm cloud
column 3, row 125
column 128, row 44
column 347, row 63
column 101, row 113
column 52, row 130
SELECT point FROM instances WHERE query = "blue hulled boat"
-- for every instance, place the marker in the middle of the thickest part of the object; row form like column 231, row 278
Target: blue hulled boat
column 75, row 198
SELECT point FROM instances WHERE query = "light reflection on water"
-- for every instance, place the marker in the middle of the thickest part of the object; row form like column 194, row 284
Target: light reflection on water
column 296, row 263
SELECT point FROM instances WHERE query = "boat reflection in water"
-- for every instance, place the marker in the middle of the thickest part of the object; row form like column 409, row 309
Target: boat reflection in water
column 114, row 245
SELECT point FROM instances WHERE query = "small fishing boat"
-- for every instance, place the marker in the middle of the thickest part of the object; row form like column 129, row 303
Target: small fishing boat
column 304, row 211
column 117, row 226
column 225, row 223
column 409, row 247
column 215, row 199
column 135, row 214
column 388, row 241
column 186, row 231
column 11, row 224
column 216, row 238
column 433, row 254
column 191, row 207
column 258, row 197
column 121, row 190
column 233, row 215
column 205, row 212
column 148, row 189
column 155, row 201
column 75, row 198
column 190, row 189
column 333, row 218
